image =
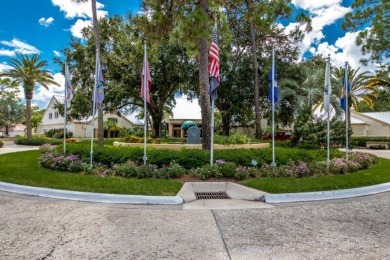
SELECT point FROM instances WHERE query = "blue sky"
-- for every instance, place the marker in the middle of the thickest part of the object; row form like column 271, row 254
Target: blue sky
column 46, row 26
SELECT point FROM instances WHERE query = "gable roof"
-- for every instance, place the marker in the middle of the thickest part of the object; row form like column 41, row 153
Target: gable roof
column 380, row 116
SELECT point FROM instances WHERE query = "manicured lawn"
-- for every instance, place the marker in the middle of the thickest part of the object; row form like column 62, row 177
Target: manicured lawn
column 22, row 168
column 379, row 173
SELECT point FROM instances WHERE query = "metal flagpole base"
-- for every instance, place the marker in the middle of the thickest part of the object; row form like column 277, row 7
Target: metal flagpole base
column 273, row 164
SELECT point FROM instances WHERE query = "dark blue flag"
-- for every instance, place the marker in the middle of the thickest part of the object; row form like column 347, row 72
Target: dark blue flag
column 276, row 94
column 346, row 88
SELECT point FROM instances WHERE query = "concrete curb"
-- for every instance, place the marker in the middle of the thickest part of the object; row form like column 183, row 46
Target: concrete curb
column 326, row 195
column 90, row 196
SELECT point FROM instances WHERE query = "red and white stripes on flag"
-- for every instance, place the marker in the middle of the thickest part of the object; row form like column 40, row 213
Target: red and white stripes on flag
column 147, row 80
column 214, row 57
column 214, row 64
column 68, row 87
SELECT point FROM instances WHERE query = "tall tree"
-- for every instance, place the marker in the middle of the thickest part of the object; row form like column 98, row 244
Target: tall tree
column 255, row 21
column 28, row 71
column 97, row 55
column 360, row 89
column 8, row 87
column 372, row 17
column 189, row 22
column 11, row 111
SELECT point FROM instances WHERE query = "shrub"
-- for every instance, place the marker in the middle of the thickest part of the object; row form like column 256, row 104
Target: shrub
column 1, row 144
column 35, row 141
column 297, row 170
column 58, row 134
column 192, row 158
column 128, row 169
column 124, row 132
column 236, row 138
column 366, row 160
column 227, row 169
column 174, row 170
column 133, row 139
column 360, row 141
column 70, row 163
column 147, row 171
column 378, row 147
column 338, row 166
column 206, row 171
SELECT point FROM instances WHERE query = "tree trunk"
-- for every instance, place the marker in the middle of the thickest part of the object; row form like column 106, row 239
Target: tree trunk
column 28, row 95
column 100, row 128
column 256, row 82
column 97, row 45
column 225, row 124
column 204, row 99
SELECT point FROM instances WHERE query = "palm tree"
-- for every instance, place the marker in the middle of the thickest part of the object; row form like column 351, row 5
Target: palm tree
column 8, row 86
column 361, row 88
column 303, row 98
column 306, row 94
column 28, row 71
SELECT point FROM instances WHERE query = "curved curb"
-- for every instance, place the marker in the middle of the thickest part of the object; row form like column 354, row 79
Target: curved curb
column 326, row 195
column 90, row 196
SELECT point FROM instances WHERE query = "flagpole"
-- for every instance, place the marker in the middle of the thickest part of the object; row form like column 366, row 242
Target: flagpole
column 346, row 109
column 212, row 132
column 65, row 110
column 328, row 108
column 145, row 108
column 273, row 106
column 94, row 107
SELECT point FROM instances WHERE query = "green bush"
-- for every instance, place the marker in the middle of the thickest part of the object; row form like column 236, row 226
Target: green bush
column 35, row 141
column 1, row 144
column 236, row 138
column 58, row 133
column 193, row 158
column 360, row 141
column 174, row 140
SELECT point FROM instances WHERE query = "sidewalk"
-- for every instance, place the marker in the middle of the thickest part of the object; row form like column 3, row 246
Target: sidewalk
column 10, row 147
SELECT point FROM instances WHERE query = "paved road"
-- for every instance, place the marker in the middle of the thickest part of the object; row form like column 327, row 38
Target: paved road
column 10, row 147
column 41, row 228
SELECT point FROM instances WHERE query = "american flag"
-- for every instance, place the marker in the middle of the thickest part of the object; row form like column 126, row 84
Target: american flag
column 214, row 64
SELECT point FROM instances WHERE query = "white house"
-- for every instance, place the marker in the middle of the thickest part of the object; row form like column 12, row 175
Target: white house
column 52, row 119
column 370, row 124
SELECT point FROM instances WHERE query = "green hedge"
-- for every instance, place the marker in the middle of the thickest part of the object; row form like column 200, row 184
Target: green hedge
column 360, row 141
column 192, row 158
column 1, row 144
column 37, row 141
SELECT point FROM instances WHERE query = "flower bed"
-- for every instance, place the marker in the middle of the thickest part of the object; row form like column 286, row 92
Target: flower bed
column 53, row 159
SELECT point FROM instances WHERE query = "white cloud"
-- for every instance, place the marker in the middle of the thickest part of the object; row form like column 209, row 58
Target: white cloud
column 4, row 52
column 46, row 22
column 18, row 47
column 322, row 13
column 78, row 26
column 314, row 4
column 4, row 67
column 57, row 53
column 42, row 95
column 180, row 111
column 345, row 49
column 73, row 9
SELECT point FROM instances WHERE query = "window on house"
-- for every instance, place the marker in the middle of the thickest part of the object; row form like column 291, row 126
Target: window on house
column 56, row 114
column 113, row 119
column 50, row 115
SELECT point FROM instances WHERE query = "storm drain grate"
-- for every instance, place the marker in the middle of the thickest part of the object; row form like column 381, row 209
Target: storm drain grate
column 211, row 196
